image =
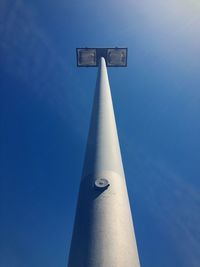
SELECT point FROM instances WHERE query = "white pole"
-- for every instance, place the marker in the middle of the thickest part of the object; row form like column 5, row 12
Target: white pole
column 103, row 233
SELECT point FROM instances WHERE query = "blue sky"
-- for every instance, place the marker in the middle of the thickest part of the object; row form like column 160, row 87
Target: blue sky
column 45, row 105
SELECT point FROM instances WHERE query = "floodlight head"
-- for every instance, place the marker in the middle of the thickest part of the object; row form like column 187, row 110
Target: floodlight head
column 86, row 57
column 90, row 57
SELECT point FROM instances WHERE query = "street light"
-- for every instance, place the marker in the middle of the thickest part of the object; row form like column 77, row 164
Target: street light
column 90, row 57
column 103, row 234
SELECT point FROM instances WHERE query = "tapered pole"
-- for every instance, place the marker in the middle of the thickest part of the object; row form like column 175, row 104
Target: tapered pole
column 103, row 234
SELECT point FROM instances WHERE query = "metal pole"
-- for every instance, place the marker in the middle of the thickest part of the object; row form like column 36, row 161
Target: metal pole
column 103, row 234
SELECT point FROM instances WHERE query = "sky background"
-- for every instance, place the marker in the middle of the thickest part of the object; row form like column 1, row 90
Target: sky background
column 45, row 105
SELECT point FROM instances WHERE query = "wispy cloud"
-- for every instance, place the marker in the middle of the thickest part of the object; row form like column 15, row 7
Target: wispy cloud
column 173, row 201
column 30, row 56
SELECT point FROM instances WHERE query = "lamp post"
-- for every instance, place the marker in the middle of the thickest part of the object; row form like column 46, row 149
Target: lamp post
column 103, row 234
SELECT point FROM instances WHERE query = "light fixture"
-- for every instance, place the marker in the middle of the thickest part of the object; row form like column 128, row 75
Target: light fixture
column 90, row 57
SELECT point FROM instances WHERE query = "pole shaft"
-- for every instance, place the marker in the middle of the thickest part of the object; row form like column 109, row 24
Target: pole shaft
column 103, row 233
